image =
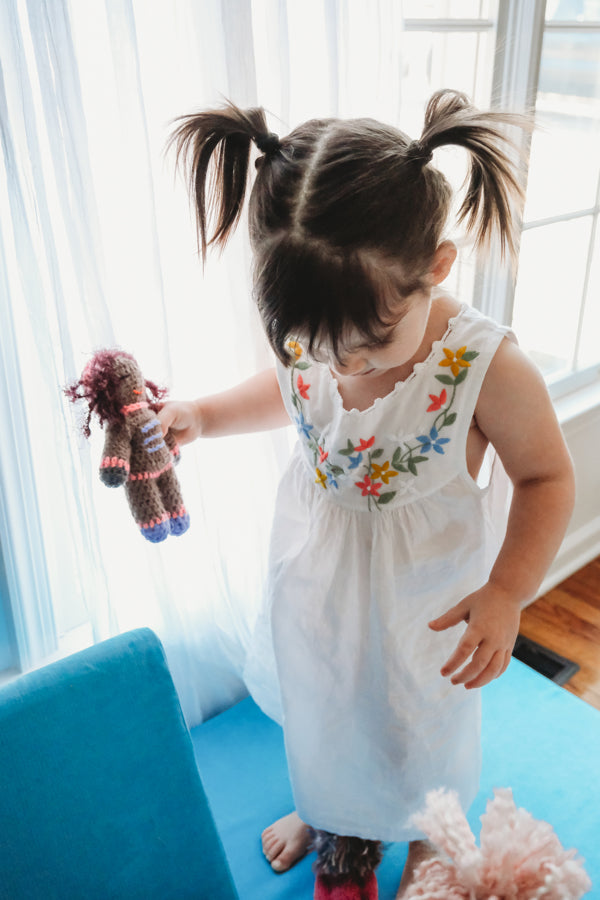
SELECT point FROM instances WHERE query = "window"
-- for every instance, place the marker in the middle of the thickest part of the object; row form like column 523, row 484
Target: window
column 509, row 54
column 559, row 268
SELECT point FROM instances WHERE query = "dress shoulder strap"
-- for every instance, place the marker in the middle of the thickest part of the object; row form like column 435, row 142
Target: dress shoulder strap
column 462, row 363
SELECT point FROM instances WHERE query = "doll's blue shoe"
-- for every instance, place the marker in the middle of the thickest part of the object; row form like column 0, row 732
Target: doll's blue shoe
column 157, row 532
column 180, row 522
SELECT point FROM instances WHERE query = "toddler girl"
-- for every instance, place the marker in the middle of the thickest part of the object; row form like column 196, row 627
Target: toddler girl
column 385, row 543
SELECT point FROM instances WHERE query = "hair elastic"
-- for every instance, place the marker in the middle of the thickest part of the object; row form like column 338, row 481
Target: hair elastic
column 267, row 143
column 416, row 152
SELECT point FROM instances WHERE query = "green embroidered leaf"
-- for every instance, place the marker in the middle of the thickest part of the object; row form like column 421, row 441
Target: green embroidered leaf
column 336, row 470
column 376, row 454
column 400, row 468
column 302, row 365
column 349, row 449
column 418, row 459
column 296, row 402
column 461, row 376
column 445, row 379
column 397, row 459
column 449, row 420
column 411, row 467
column 385, row 498
column 470, row 355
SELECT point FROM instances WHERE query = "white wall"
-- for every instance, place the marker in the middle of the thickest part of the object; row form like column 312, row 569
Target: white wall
column 581, row 427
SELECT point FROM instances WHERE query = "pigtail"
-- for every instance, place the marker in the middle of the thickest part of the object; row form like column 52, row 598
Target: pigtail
column 224, row 137
column 495, row 195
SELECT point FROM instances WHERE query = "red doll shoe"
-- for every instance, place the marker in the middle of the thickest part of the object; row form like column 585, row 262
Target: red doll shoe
column 335, row 888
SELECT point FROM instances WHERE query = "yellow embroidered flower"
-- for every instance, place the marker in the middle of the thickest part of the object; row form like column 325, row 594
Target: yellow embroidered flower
column 321, row 478
column 455, row 360
column 295, row 346
column 382, row 472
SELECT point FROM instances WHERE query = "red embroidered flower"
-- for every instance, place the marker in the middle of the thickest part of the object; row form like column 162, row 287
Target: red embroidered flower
column 437, row 402
column 323, row 454
column 303, row 388
column 369, row 487
column 364, row 445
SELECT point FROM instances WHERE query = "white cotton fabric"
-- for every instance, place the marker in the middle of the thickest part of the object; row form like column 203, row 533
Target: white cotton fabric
column 342, row 656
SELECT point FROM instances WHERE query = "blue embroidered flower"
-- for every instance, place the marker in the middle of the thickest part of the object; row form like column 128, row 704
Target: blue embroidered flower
column 331, row 481
column 303, row 427
column 433, row 441
column 355, row 461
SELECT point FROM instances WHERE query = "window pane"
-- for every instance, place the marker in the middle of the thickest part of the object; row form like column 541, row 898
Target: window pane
column 448, row 9
column 573, row 11
column 548, row 297
column 589, row 348
column 435, row 60
column 565, row 151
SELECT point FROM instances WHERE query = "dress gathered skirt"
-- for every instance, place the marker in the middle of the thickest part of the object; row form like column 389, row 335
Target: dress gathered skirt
column 378, row 529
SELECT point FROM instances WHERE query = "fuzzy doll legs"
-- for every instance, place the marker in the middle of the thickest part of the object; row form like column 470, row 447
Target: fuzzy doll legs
column 148, row 509
column 345, row 867
column 157, row 506
column 168, row 486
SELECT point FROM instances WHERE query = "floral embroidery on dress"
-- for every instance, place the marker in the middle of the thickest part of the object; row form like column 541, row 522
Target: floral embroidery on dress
column 326, row 472
column 363, row 456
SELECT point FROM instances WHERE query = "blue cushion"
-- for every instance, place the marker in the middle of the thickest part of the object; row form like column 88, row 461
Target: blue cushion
column 99, row 791
column 537, row 738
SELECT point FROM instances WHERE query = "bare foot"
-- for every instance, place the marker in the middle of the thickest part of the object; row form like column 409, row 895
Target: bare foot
column 285, row 842
column 418, row 852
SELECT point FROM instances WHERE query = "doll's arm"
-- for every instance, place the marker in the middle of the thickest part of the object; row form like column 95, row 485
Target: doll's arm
column 515, row 413
column 254, row 405
column 114, row 467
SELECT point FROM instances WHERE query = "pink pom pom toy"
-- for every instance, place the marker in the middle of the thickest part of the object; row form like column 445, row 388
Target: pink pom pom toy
column 519, row 858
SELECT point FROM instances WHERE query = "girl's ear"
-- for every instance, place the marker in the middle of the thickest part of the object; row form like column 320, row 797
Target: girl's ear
column 443, row 261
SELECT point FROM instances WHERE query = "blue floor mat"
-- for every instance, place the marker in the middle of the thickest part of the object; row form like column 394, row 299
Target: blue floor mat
column 538, row 739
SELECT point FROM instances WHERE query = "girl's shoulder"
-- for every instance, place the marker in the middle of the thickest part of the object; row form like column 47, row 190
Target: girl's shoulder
column 462, row 322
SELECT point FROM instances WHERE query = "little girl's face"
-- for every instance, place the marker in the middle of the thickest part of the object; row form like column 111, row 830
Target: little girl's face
column 397, row 347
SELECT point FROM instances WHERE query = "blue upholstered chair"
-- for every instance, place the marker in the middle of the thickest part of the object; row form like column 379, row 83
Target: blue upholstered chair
column 100, row 796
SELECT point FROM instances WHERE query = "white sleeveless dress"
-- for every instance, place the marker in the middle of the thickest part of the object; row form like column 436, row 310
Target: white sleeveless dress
column 378, row 529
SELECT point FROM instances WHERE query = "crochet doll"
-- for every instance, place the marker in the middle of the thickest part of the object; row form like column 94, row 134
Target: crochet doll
column 345, row 867
column 135, row 452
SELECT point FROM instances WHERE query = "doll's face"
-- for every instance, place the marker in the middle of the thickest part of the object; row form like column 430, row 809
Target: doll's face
column 130, row 382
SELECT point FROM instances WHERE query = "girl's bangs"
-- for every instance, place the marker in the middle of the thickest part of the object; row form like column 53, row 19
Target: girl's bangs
column 323, row 300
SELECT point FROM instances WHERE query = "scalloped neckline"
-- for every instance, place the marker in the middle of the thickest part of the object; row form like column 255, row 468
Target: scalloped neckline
column 418, row 366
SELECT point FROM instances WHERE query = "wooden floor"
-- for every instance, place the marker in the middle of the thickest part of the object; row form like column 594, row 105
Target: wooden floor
column 566, row 620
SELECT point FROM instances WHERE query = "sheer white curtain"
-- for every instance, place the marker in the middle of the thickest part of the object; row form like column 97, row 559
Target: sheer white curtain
column 97, row 249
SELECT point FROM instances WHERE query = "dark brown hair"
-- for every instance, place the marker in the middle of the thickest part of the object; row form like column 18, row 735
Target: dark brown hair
column 100, row 388
column 345, row 216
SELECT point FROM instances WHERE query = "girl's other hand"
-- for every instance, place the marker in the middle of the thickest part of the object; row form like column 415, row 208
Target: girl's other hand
column 182, row 418
column 493, row 619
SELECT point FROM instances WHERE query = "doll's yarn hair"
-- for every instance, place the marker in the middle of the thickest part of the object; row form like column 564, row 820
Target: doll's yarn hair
column 99, row 388
column 345, row 857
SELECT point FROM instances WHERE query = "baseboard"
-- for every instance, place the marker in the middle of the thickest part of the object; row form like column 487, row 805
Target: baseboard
column 577, row 550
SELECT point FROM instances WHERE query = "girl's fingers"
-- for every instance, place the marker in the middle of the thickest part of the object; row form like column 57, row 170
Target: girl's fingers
column 493, row 670
column 466, row 646
column 479, row 663
column 452, row 617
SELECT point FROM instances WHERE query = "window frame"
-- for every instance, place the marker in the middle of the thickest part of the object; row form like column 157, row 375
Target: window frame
column 519, row 36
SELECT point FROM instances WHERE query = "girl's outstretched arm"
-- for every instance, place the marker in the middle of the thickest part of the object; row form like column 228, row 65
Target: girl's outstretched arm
column 515, row 413
column 253, row 405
